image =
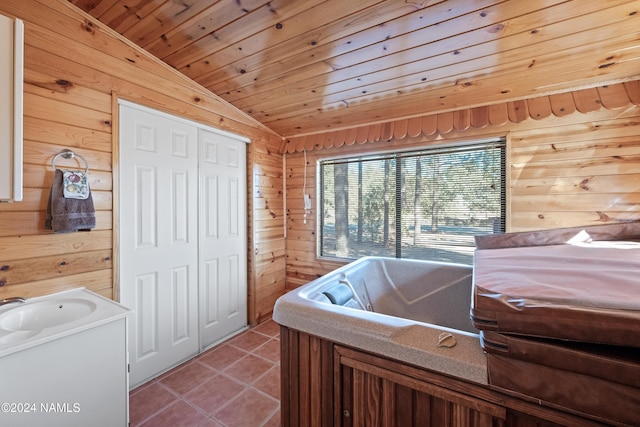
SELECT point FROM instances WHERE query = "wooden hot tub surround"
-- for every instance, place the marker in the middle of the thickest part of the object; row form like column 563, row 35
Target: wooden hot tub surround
column 328, row 384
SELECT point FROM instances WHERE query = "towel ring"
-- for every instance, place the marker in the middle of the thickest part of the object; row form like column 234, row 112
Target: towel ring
column 68, row 154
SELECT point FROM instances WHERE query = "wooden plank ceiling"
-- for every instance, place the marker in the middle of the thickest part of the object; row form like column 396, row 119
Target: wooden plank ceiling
column 309, row 66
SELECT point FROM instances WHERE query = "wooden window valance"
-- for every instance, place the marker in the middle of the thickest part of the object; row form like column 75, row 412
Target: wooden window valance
column 613, row 96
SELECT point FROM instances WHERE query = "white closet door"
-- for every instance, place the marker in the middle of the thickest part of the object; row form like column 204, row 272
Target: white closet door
column 158, row 239
column 222, row 236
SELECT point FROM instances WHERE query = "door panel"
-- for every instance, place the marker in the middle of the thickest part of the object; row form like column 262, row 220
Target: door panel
column 234, row 283
column 180, row 315
column 180, row 205
column 210, row 206
column 222, row 236
column 233, row 206
column 145, row 204
column 146, row 313
column 158, row 239
column 210, row 293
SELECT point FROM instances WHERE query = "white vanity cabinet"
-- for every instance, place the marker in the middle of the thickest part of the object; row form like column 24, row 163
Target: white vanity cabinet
column 11, row 91
column 64, row 362
column 78, row 380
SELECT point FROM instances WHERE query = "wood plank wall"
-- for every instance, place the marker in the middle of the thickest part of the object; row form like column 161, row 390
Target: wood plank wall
column 75, row 68
column 574, row 168
column 268, row 249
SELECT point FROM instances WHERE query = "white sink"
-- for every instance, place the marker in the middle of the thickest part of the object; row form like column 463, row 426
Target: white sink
column 45, row 314
column 63, row 360
column 40, row 319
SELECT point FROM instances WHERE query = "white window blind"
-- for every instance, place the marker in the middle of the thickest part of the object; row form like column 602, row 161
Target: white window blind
column 426, row 204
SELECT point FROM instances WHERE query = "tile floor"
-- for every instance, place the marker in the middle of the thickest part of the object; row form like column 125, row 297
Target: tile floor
column 235, row 384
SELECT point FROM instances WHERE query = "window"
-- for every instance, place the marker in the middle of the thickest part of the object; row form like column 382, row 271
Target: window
column 426, row 204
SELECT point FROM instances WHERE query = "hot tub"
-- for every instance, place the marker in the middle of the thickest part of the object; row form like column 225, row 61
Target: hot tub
column 408, row 310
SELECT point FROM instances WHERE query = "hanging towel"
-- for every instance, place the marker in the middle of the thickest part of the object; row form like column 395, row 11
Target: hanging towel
column 66, row 215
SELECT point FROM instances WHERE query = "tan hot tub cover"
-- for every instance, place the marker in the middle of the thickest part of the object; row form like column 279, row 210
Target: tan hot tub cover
column 535, row 284
column 595, row 380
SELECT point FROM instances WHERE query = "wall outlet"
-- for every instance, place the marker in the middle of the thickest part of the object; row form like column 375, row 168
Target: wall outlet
column 307, row 201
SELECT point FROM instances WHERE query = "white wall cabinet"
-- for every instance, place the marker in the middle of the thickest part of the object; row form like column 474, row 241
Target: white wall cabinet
column 11, row 87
